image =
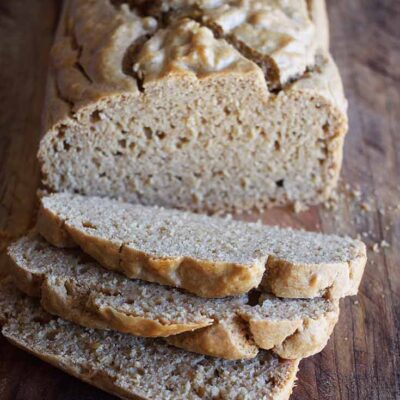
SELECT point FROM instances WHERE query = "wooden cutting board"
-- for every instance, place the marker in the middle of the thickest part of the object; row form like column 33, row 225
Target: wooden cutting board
column 362, row 359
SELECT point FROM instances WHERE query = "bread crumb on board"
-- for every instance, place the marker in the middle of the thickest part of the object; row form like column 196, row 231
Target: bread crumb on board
column 376, row 247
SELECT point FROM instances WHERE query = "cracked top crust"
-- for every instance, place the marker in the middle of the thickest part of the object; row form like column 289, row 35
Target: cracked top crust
column 92, row 61
column 89, row 57
column 188, row 47
column 279, row 29
column 162, row 77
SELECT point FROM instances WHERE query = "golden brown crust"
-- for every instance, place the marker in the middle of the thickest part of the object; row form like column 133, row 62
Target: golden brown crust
column 63, row 300
column 306, row 281
column 222, row 340
column 282, row 278
column 52, row 228
column 310, row 338
column 58, row 301
column 319, row 15
column 140, row 326
column 290, row 339
column 237, row 334
column 203, row 278
column 269, row 333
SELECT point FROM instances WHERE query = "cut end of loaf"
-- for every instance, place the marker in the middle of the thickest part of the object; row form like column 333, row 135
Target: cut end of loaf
column 180, row 159
column 180, row 115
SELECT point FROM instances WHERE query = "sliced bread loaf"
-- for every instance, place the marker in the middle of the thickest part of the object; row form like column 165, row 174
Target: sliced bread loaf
column 81, row 291
column 138, row 368
column 202, row 105
column 208, row 256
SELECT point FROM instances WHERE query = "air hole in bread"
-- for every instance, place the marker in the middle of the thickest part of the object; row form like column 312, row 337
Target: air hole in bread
column 280, row 183
column 148, row 132
column 326, row 127
column 182, row 142
column 253, row 297
column 95, row 116
column 96, row 162
column 161, row 135
column 227, row 111
column 43, row 319
column 61, row 132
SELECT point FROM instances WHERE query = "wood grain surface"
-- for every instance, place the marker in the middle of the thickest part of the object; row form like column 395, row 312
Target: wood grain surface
column 362, row 359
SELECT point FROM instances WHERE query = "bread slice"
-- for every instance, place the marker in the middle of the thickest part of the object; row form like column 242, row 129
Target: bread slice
column 194, row 104
column 79, row 290
column 208, row 256
column 138, row 368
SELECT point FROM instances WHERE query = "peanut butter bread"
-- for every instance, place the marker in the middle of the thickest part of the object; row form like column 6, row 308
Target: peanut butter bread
column 194, row 104
column 137, row 368
column 208, row 256
column 81, row 291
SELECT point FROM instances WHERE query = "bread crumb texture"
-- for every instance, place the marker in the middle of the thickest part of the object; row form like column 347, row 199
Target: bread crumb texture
column 201, row 105
column 208, row 256
column 78, row 289
column 133, row 367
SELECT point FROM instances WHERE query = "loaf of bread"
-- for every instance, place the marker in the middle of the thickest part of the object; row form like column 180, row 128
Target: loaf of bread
column 208, row 256
column 194, row 104
column 81, row 291
column 138, row 368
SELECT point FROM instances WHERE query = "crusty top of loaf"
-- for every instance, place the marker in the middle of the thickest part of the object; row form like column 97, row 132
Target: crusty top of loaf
column 131, row 366
column 92, row 59
column 174, row 233
column 187, row 47
column 280, row 30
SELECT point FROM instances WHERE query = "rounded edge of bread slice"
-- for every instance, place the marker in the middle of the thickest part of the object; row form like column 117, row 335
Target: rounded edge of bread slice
column 63, row 296
column 201, row 277
column 289, row 336
column 333, row 276
column 82, row 292
column 138, row 368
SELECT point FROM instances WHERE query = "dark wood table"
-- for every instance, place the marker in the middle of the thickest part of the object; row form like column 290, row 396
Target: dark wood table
column 362, row 359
